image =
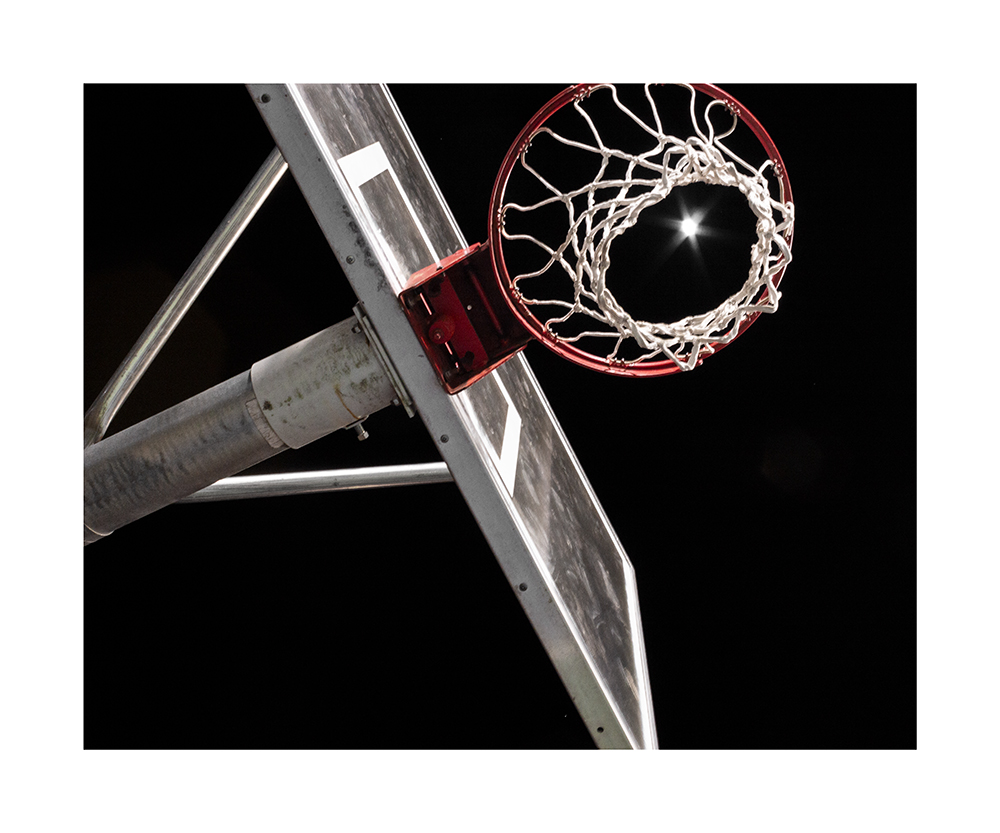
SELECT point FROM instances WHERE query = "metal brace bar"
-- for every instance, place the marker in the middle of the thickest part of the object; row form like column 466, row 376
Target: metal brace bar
column 336, row 480
column 117, row 390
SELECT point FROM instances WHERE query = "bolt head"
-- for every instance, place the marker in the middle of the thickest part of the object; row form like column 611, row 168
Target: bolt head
column 441, row 329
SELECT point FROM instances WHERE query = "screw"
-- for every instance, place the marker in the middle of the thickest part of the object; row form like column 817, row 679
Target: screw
column 362, row 433
column 265, row 98
column 522, row 587
column 350, row 258
column 444, row 438
column 356, row 328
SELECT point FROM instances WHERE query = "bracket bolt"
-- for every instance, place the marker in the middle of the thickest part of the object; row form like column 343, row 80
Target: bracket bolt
column 441, row 329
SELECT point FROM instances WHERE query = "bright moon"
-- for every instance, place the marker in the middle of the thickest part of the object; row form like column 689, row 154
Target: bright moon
column 689, row 227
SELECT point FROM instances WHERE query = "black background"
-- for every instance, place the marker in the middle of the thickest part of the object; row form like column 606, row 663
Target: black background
column 767, row 500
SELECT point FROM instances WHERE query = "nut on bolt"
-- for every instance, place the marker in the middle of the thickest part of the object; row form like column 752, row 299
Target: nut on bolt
column 359, row 428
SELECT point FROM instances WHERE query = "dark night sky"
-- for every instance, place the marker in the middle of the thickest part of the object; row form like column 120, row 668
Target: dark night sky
column 773, row 533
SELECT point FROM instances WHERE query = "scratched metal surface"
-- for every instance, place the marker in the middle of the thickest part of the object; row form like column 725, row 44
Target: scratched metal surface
column 590, row 574
column 508, row 455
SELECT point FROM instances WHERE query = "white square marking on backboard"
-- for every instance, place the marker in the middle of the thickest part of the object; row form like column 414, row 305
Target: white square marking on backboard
column 503, row 450
column 507, row 464
column 364, row 165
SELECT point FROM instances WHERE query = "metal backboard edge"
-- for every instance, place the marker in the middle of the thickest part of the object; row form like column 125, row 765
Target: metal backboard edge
column 578, row 585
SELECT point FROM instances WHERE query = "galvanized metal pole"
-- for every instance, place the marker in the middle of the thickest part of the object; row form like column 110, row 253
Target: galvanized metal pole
column 116, row 391
column 328, row 381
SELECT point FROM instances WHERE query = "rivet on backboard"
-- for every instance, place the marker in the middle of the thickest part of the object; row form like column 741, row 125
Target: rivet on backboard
column 522, row 587
column 444, row 438
column 600, row 728
column 265, row 98
column 350, row 258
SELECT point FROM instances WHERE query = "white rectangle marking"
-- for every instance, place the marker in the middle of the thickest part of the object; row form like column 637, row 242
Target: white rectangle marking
column 363, row 165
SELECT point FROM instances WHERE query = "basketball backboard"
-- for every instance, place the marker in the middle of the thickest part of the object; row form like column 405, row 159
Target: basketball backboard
column 379, row 208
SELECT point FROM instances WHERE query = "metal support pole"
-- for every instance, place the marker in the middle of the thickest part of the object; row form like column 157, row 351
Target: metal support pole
column 328, row 381
column 117, row 390
column 314, row 482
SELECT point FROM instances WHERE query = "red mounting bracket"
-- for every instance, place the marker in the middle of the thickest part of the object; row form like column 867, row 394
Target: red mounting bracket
column 458, row 312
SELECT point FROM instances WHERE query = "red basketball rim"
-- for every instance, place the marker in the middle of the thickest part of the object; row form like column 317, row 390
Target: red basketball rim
column 536, row 327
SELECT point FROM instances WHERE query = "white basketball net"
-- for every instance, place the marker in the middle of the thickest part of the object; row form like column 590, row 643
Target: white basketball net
column 585, row 254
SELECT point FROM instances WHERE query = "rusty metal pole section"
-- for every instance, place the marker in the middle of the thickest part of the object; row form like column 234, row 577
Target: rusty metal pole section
column 328, row 381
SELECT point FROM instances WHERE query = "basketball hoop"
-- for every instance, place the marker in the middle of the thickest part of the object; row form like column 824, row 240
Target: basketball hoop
column 476, row 308
column 597, row 213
